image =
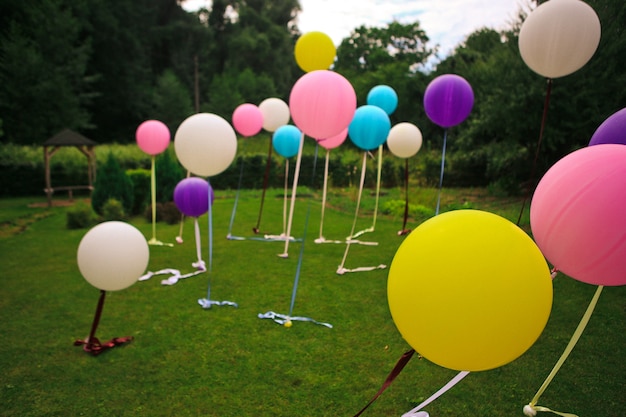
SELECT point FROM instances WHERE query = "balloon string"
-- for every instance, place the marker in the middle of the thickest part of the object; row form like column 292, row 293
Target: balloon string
column 198, row 242
column 404, row 359
column 443, row 162
column 92, row 345
column 406, row 196
column 96, row 319
column 285, row 198
column 324, row 191
column 210, row 238
column 292, row 206
column 299, row 266
column 266, row 177
column 568, row 350
column 378, row 177
column 179, row 238
column 356, row 212
column 531, row 180
column 439, row 393
column 301, row 255
column 153, row 197
column 232, row 215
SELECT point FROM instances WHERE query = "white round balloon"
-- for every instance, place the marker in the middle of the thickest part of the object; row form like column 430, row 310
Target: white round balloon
column 559, row 37
column 205, row 144
column 404, row 140
column 275, row 113
column 113, row 255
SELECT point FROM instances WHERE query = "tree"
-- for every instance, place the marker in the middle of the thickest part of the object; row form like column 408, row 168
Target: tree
column 368, row 49
column 44, row 81
column 499, row 141
column 112, row 183
column 171, row 101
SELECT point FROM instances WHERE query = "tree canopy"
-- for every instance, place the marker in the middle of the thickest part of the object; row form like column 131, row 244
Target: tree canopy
column 101, row 68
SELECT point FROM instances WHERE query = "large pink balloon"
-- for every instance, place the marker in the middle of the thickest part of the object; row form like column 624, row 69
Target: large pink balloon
column 577, row 215
column 153, row 137
column 334, row 141
column 247, row 119
column 322, row 103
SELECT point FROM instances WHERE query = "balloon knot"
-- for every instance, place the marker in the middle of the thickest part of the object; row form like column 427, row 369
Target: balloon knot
column 529, row 410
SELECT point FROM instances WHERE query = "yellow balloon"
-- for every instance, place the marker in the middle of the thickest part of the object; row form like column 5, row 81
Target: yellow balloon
column 469, row 290
column 314, row 51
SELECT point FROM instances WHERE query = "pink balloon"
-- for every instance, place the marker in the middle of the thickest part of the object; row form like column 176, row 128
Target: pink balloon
column 153, row 137
column 322, row 103
column 248, row 119
column 334, row 141
column 577, row 215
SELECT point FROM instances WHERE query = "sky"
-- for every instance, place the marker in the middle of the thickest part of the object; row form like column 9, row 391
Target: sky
column 446, row 22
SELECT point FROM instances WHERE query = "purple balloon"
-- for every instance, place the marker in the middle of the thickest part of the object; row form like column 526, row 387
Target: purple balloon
column 612, row 130
column 191, row 196
column 448, row 100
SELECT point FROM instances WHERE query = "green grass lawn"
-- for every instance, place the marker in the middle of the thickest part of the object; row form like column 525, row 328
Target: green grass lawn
column 186, row 361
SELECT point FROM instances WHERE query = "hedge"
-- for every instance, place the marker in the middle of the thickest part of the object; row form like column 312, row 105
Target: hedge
column 23, row 170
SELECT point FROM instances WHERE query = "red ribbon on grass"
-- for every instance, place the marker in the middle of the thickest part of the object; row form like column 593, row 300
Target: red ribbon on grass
column 404, row 359
column 92, row 344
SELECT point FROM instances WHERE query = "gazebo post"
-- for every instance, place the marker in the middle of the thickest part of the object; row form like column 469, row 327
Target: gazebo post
column 48, row 190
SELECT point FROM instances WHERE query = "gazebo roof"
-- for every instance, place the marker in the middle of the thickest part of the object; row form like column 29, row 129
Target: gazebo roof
column 68, row 137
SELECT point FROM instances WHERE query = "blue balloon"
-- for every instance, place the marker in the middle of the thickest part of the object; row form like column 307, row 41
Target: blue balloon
column 286, row 140
column 384, row 97
column 369, row 128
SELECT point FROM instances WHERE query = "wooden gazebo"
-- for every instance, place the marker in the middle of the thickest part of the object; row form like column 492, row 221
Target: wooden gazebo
column 68, row 137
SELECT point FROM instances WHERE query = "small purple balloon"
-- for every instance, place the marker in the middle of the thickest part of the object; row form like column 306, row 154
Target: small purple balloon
column 191, row 196
column 448, row 100
column 612, row 130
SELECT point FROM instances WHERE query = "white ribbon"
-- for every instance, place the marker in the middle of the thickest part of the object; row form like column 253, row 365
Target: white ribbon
column 283, row 318
column 341, row 270
column 175, row 274
column 416, row 411
column 206, row 303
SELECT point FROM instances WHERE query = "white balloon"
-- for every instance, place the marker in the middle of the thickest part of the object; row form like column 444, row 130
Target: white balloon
column 205, row 144
column 275, row 113
column 404, row 140
column 559, row 37
column 113, row 255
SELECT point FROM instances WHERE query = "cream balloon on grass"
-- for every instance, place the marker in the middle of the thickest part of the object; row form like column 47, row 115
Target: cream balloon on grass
column 404, row 140
column 275, row 113
column 113, row 255
column 559, row 37
column 205, row 144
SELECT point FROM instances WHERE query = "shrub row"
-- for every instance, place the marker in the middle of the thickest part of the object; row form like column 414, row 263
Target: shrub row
column 23, row 170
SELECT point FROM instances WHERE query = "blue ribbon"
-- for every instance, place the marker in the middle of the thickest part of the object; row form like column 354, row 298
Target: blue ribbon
column 207, row 303
column 443, row 162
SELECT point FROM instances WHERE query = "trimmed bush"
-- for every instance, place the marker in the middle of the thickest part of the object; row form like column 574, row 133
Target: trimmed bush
column 113, row 210
column 141, row 189
column 168, row 174
column 112, row 182
column 80, row 216
column 165, row 212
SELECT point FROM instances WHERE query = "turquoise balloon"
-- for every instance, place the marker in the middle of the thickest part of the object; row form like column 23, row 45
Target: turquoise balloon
column 384, row 97
column 286, row 140
column 369, row 128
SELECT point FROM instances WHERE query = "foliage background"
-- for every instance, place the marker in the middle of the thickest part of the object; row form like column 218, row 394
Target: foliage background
column 102, row 68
